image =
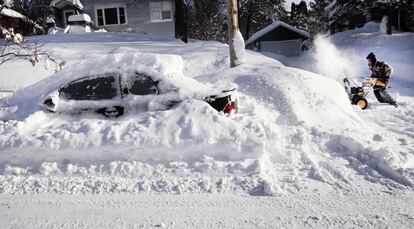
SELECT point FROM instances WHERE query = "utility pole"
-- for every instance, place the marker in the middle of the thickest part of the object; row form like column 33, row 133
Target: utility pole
column 233, row 28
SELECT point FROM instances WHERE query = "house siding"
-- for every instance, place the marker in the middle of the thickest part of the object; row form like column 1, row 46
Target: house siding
column 138, row 17
column 281, row 34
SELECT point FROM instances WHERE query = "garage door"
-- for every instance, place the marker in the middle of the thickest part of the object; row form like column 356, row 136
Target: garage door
column 288, row 48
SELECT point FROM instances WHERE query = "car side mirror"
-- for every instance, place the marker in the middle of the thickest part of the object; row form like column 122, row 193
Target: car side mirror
column 125, row 91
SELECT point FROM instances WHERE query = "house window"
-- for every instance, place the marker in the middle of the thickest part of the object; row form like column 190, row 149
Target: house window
column 111, row 15
column 122, row 19
column 161, row 11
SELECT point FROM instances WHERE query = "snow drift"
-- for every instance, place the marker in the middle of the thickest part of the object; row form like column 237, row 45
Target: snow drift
column 294, row 130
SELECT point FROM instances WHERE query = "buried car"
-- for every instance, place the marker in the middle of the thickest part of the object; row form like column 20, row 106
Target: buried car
column 113, row 94
column 113, row 85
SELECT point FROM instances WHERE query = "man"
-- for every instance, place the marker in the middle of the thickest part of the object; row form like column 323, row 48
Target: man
column 382, row 72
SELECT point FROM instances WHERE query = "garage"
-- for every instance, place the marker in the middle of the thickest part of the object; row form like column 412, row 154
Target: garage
column 279, row 38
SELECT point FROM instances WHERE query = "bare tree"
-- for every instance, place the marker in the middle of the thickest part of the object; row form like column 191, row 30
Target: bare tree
column 35, row 14
column 14, row 46
column 207, row 20
column 256, row 14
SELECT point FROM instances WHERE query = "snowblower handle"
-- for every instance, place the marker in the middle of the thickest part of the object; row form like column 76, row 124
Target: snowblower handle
column 370, row 81
column 373, row 82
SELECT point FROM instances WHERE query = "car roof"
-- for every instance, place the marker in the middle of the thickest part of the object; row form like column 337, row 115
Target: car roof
column 160, row 67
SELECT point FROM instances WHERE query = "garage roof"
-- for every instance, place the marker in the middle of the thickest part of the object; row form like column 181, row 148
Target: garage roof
column 273, row 26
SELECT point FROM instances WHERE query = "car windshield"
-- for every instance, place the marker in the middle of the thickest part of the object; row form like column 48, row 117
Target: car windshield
column 141, row 85
column 98, row 88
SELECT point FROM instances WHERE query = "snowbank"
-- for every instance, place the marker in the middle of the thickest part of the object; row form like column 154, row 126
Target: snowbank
column 238, row 42
column 343, row 55
column 295, row 130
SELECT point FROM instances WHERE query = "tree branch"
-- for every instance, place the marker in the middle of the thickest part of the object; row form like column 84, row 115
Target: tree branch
column 14, row 47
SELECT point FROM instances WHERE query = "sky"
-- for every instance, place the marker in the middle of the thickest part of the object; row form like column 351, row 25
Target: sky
column 289, row 2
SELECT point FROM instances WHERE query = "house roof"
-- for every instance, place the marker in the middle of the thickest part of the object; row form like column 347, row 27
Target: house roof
column 10, row 13
column 50, row 20
column 330, row 6
column 273, row 26
column 63, row 3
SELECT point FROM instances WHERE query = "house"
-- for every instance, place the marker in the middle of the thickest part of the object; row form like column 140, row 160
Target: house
column 279, row 38
column 144, row 16
column 349, row 14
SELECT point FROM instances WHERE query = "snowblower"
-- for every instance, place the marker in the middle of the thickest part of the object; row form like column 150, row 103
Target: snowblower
column 358, row 93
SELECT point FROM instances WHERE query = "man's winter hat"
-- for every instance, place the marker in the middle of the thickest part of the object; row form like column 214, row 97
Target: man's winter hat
column 371, row 56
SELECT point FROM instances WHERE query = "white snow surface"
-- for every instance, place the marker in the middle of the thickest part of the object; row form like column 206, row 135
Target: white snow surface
column 8, row 3
column 331, row 5
column 77, row 3
column 50, row 20
column 296, row 135
column 383, row 24
column 331, row 210
column 239, row 47
column 10, row 12
column 80, row 17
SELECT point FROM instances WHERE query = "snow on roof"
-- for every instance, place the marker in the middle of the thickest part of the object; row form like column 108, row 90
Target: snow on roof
column 62, row 3
column 10, row 13
column 273, row 26
column 330, row 6
column 50, row 20
column 80, row 17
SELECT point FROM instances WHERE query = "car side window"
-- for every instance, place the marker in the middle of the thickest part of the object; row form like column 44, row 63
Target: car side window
column 91, row 89
column 142, row 85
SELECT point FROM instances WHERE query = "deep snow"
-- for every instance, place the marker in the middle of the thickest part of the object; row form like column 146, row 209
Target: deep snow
column 296, row 132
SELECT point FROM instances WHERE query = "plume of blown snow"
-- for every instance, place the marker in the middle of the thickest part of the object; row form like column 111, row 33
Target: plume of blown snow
column 333, row 62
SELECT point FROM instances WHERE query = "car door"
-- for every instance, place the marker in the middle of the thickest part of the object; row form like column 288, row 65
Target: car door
column 93, row 92
column 95, row 88
column 140, row 84
column 142, row 93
